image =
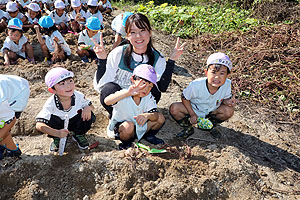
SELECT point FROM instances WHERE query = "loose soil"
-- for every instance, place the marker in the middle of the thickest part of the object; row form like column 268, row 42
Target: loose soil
column 257, row 157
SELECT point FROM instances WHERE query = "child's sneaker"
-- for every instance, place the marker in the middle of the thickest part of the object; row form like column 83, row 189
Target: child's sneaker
column 81, row 141
column 186, row 132
column 13, row 153
column 125, row 145
column 215, row 132
column 85, row 59
column 2, row 149
column 54, row 146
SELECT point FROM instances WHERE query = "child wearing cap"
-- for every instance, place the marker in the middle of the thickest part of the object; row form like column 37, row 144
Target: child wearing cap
column 60, row 16
column 77, row 17
column 54, row 46
column 93, row 10
column 135, row 113
column 206, row 101
column 16, row 44
column 85, row 43
column 12, row 11
column 33, row 14
column 118, row 25
column 65, row 101
column 105, row 7
column 14, row 94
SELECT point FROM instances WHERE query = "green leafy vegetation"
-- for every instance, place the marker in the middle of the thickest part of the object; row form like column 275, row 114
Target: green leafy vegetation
column 189, row 21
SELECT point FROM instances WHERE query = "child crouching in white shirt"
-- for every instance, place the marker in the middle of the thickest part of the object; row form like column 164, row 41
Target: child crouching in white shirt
column 65, row 101
column 85, row 43
column 135, row 113
column 16, row 44
column 54, row 46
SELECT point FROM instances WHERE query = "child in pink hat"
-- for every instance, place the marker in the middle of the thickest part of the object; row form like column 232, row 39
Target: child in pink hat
column 65, row 100
column 135, row 113
column 206, row 101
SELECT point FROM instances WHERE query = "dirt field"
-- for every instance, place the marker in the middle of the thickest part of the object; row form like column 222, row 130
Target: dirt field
column 256, row 158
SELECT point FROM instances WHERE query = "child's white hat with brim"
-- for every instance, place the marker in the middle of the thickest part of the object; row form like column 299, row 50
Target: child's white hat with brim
column 219, row 58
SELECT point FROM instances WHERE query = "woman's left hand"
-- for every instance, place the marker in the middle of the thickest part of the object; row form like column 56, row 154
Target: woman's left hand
column 177, row 51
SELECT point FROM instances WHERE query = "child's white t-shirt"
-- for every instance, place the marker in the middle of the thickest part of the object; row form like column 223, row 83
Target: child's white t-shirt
column 117, row 26
column 122, row 77
column 126, row 109
column 201, row 100
column 97, row 14
column 54, row 107
column 85, row 39
column 72, row 15
column 61, row 41
column 106, row 5
column 14, row 94
column 12, row 46
column 59, row 19
column 2, row 13
column 30, row 20
column 8, row 17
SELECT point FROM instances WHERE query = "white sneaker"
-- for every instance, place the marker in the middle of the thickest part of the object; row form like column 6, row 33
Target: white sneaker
column 110, row 134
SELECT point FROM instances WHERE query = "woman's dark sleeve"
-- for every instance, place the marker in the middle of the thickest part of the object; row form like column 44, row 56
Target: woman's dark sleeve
column 101, row 69
column 165, row 79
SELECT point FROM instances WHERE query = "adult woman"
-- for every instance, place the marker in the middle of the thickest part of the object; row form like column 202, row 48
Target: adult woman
column 114, row 71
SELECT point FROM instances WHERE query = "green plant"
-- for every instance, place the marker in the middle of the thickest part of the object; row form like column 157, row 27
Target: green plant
column 189, row 21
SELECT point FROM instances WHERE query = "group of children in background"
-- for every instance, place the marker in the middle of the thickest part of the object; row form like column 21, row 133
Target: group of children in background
column 206, row 102
column 50, row 21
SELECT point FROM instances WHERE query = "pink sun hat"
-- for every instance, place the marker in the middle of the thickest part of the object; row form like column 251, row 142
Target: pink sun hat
column 146, row 72
column 56, row 75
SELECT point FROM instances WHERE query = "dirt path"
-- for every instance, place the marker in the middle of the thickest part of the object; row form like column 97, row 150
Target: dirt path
column 254, row 159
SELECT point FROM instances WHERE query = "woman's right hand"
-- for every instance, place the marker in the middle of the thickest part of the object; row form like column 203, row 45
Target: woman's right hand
column 99, row 49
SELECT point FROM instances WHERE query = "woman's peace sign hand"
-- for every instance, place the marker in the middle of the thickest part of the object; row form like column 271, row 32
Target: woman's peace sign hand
column 177, row 51
column 99, row 49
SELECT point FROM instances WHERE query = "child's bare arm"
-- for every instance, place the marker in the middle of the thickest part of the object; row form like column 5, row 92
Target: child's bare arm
column 117, row 96
column 229, row 102
column 38, row 33
column 132, row 90
column 87, row 112
column 190, row 110
column 118, row 40
column 141, row 119
column 44, row 128
column 6, row 58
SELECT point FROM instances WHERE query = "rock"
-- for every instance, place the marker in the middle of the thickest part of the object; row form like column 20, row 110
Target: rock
column 212, row 147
